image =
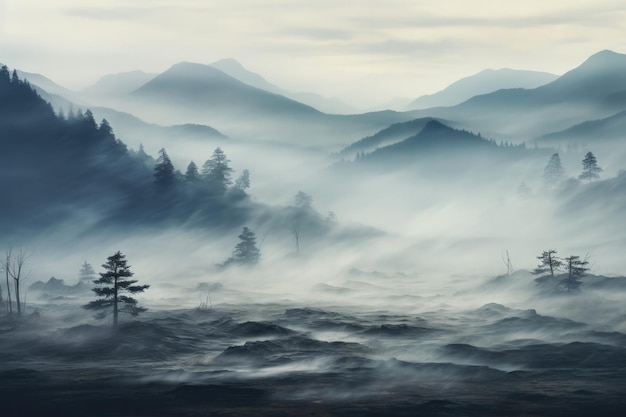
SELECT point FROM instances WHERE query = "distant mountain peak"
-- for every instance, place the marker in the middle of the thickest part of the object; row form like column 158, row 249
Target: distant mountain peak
column 605, row 58
column 434, row 126
column 232, row 62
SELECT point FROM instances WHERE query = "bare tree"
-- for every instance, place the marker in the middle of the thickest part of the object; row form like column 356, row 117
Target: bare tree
column 13, row 267
column 296, row 234
column 4, row 267
column 507, row 262
column 1, row 299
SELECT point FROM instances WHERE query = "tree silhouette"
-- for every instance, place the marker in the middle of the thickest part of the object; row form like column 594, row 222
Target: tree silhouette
column 164, row 171
column 246, row 252
column 216, row 171
column 576, row 268
column 112, row 287
column 548, row 261
column 303, row 200
column 554, row 172
column 591, row 170
column 243, row 182
column 13, row 266
column 86, row 273
column 192, row 175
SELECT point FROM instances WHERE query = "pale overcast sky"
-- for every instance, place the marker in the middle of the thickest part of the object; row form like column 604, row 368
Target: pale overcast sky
column 361, row 51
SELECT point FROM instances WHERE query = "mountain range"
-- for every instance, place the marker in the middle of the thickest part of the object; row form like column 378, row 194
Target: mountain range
column 485, row 82
column 240, row 103
column 592, row 90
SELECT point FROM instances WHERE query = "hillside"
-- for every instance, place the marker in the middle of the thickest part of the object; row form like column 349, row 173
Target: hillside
column 199, row 90
column 485, row 82
column 590, row 91
column 394, row 133
column 437, row 142
column 609, row 129
column 62, row 169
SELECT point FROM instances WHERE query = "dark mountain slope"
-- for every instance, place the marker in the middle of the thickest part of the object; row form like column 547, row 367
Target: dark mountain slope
column 394, row 133
column 437, row 142
column 57, row 170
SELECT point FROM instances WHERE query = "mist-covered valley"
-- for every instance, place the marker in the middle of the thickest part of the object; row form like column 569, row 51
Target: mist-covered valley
column 454, row 261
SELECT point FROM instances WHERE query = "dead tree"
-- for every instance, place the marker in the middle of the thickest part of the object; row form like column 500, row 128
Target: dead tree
column 6, row 262
column 13, row 267
column 296, row 236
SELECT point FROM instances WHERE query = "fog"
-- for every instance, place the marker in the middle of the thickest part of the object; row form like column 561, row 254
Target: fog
column 417, row 294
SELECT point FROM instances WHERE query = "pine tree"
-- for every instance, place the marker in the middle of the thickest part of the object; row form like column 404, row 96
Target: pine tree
column 86, row 273
column 591, row 170
column 216, row 171
column 5, row 75
column 192, row 175
column 554, row 172
column 112, row 287
column 576, row 269
column 548, row 261
column 303, row 200
column 164, row 171
column 243, row 182
column 105, row 128
column 246, row 251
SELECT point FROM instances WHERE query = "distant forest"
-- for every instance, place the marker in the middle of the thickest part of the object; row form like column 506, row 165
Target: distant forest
column 67, row 167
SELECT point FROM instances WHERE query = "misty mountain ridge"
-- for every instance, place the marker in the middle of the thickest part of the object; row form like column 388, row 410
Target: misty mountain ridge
column 584, row 93
column 437, row 142
column 486, row 81
column 202, row 91
column 325, row 105
column 392, row 134
column 119, row 84
column 201, row 94
column 609, row 129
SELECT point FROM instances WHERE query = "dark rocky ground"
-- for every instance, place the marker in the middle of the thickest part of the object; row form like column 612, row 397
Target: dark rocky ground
column 280, row 359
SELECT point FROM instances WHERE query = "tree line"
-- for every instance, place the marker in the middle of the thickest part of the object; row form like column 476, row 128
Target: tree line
column 215, row 174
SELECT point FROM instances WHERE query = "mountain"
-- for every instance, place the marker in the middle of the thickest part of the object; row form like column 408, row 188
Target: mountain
column 233, row 68
column 392, row 134
column 598, row 78
column 200, row 94
column 57, row 95
column 444, row 150
column 72, row 171
column 135, row 131
column 38, row 80
column 201, row 90
column 323, row 104
column 609, row 129
column 484, row 82
column 118, row 84
column 435, row 136
column 593, row 90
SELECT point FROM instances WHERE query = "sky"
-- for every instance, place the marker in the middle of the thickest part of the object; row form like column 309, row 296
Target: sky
column 363, row 52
